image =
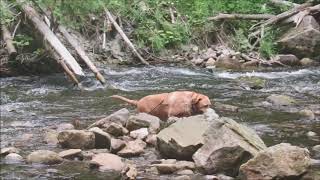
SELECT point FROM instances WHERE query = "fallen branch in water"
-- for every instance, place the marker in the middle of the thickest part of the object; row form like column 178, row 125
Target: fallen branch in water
column 124, row 37
column 223, row 16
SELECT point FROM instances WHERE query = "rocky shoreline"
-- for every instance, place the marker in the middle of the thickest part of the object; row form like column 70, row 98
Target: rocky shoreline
column 207, row 145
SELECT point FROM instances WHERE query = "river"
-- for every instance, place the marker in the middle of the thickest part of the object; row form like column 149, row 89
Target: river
column 29, row 104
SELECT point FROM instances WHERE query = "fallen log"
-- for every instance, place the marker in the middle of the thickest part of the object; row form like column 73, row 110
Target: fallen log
column 223, row 16
column 7, row 38
column 52, row 43
column 81, row 53
column 124, row 37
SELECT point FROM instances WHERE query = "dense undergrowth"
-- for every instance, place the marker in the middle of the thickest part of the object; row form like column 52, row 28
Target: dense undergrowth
column 149, row 22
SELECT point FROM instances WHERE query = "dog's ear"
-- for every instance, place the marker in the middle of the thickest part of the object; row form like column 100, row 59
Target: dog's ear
column 196, row 98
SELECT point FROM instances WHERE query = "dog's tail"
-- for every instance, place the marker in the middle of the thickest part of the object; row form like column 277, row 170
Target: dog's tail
column 133, row 102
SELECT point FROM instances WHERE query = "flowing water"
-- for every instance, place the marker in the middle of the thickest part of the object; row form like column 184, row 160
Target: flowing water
column 29, row 104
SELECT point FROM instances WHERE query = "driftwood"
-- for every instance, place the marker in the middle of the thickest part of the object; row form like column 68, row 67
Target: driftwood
column 125, row 38
column 223, row 16
column 81, row 53
column 51, row 42
column 7, row 38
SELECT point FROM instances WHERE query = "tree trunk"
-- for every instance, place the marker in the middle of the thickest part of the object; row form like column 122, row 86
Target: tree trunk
column 81, row 53
column 53, row 43
column 9, row 44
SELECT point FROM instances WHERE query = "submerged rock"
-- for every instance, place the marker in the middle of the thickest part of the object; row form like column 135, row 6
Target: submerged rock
column 282, row 161
column 227, row 145
column 107, row 162
column 143, row 120
column 308, row 62
column 13, row 158
column 8, row 150
column 77, row 139
column 316, row 151
column 102, row 139
column 182, row 138
column 44, row 157
column 133, row 148
column 281, row 100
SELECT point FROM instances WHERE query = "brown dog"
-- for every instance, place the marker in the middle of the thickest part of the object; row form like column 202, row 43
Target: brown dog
column 178, row 104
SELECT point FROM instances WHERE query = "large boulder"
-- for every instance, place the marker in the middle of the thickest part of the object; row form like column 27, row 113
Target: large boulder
column 13, row 158
column 142, row 120
column 287, row 59
column 303, row 41
column 120, row 116
column 182, row 138
column 107, row 162
column 44, row 157
column 227, row 145
column 102, row 139
column 77, row 139
column 282, row 161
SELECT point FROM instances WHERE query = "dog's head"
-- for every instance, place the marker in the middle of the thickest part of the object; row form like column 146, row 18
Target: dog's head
column 201, row 103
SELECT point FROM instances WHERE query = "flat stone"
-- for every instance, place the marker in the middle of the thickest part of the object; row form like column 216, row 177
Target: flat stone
column 143, row 120
column 71, row 154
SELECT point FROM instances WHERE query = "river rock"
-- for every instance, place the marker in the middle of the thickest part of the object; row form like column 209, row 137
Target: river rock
column 102, row 139
column 121, row 116
column 13, row 158
column 227, row 145
column 77, row 139
column 308, row 62
column 182, row 177
column 143, row 120
column 282, row 161
column 311, row 134
column 116, row 129
column 303, row 41
column 250, row 65
column 107, row 162
column 281, row 100
column 151, row 139
column 210, row 62
column 8, row 150
column 133, row 148
column 51, row 137
column 185, row 172
column 316, row 151
column 132, row 172
column 71, row 154
column 182, row 138
column 226, row 62
column 116, row 145
column 141, row 133
column 225, row 107
column 307, row 113
column 44, row 157
column 287, row 59
column 170, row 166
column 64, row 126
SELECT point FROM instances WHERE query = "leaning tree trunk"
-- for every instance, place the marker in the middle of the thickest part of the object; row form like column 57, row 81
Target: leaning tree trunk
column 52, row 43
column 7, row 38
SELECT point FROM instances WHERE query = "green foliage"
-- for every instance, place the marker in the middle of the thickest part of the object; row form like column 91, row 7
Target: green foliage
column 151, row 19
column 267, row 44
column 21, row 40
column 6, row 16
